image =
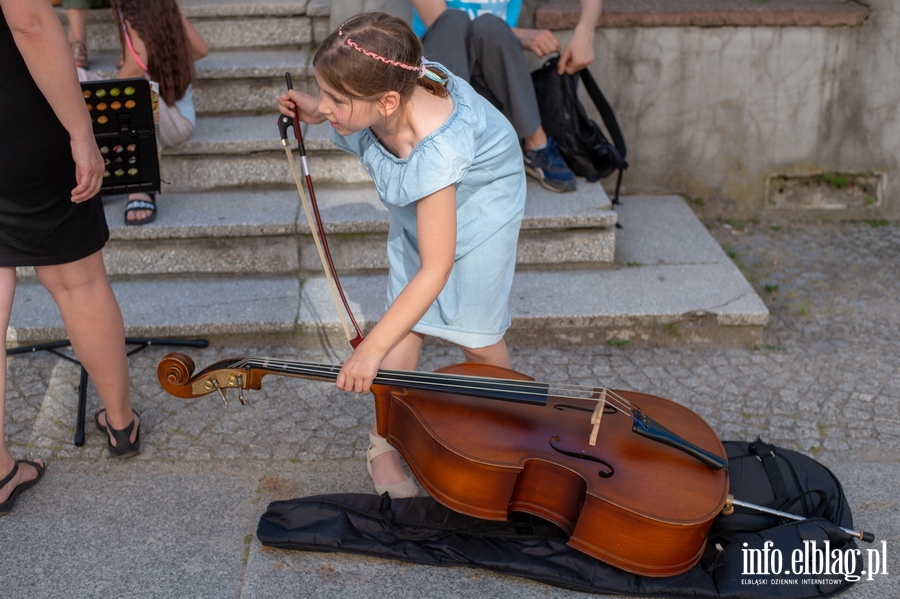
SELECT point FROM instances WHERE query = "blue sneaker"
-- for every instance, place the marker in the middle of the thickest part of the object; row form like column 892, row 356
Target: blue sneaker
column 548, row 167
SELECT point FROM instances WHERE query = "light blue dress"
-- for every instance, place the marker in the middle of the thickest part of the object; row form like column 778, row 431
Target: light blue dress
column 477, row 151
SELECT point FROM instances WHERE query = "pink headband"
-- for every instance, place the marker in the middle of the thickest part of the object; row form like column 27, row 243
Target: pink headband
column 420, row 69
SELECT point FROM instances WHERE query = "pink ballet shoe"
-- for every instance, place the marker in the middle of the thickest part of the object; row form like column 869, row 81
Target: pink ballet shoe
column 407, row 488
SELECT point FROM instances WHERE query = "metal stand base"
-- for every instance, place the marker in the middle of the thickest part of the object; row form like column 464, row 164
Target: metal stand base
column 53, row 346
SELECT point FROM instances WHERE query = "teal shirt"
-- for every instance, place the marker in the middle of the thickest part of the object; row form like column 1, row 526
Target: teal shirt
column 508, row 10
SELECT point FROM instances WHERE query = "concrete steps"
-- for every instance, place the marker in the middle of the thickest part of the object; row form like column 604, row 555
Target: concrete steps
column 230, row 253
column 671, row 283
column 253, row 222
column 228, row 24
column 235, row 151
column 255, row 231
column 244, row 82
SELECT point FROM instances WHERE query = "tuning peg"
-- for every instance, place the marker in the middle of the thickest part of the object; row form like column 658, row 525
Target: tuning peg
column 221, row 391
column 240, row 386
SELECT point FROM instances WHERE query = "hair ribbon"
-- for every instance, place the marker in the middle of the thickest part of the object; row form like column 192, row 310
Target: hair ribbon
column 423, row 72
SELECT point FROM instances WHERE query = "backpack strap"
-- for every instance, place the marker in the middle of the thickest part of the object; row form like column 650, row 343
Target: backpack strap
column 612, row 125
column 765, row 453
column 817, row 512
column 606, row 113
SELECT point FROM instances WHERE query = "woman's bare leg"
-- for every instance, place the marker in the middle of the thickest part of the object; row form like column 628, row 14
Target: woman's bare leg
column 7, row 462
column 93, row 321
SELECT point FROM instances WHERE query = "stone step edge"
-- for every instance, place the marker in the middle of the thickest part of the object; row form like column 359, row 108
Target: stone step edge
column 242, row 134
column 564, row 14
column 212, row 9
column 232, row 64
column 593, row 305
column 674, row 283
column 344, row 209
column 266, row 232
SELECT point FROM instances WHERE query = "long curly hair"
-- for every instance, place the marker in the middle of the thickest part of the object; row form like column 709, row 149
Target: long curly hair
column 351, row 70
column 159, row 24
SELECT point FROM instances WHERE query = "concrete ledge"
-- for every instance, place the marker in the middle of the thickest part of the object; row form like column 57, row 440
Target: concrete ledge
column 563, row 14
column 266, row 232
column 172, row 307
column 194, row 9
column 672, row 284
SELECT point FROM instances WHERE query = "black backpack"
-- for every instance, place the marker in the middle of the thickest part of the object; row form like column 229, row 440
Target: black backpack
column 581, row 142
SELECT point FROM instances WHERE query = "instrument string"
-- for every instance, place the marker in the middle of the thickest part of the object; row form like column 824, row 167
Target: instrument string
column 450, row 382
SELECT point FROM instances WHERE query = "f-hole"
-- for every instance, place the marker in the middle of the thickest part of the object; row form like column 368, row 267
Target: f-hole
column 583, row 456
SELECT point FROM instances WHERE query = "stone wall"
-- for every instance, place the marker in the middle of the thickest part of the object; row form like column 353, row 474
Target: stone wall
column 751, row 120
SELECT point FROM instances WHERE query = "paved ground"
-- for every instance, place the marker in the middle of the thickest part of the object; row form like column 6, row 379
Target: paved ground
column 178, row 520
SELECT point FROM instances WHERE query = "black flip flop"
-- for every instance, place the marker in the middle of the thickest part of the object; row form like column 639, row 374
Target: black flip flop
column 123, row 448
column 7, row 506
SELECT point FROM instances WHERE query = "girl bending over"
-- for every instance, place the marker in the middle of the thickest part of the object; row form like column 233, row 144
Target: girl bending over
column 449, row 169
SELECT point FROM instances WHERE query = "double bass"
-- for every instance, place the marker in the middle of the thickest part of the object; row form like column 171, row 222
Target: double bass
column 487, row 441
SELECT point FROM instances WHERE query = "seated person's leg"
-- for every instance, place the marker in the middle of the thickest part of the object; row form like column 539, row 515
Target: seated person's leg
column 501, row 75
column 76, row 14
column 447, row 42
column 499, row 66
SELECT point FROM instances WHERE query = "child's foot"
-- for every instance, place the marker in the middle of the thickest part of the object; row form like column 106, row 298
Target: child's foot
column 546, row 164
column 386, row 470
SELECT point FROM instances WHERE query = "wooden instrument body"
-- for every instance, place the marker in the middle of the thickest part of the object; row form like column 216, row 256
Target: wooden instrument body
column 630, row 501
column 487, row 458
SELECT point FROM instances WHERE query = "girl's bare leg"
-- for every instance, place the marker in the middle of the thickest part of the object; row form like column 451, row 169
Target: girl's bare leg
column 93, row 321
column 387, row 469
column 495, row 355
column 7, row 462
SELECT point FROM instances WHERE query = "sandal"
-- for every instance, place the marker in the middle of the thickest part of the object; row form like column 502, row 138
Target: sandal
column 135, row 205
column 79, row 53
column 7, row 506
column 406, row 488
column 123, row 448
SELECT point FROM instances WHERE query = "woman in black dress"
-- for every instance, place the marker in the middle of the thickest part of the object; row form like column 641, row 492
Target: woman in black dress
column 51, row 218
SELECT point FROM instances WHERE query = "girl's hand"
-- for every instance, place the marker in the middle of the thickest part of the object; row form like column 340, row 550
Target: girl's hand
column 305, row 107
column 436, row 224
column 88, row 169
column 540, row 41
column 359, row 370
